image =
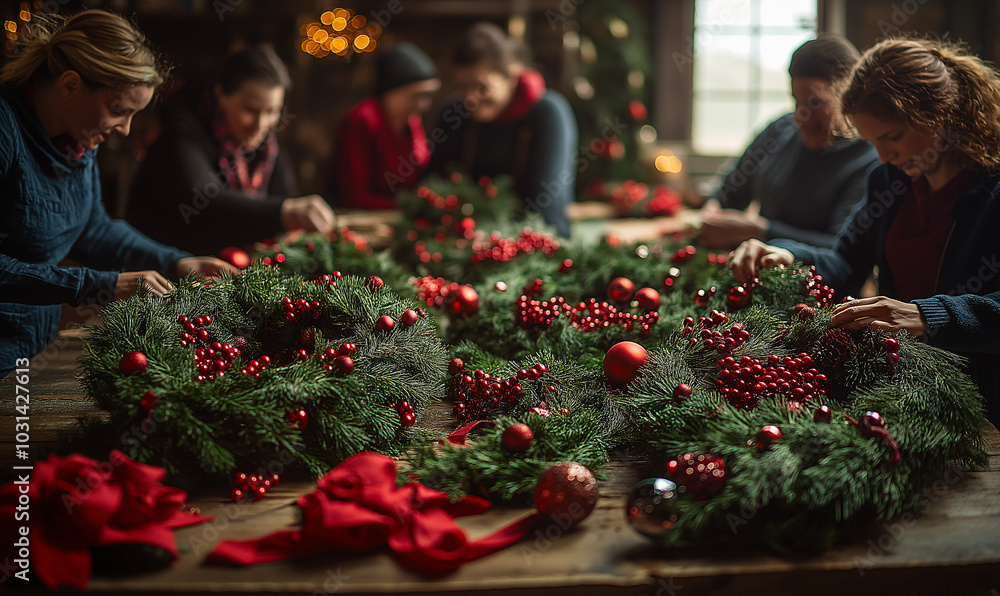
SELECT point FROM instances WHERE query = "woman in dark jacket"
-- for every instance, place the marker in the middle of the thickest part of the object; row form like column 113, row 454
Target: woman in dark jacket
column 73, row 83
column 932, row 213
column 507, row 122
column 216, row 176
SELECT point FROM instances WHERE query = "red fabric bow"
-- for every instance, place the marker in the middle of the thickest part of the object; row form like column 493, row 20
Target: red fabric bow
column 357, row 507
column 74, row 503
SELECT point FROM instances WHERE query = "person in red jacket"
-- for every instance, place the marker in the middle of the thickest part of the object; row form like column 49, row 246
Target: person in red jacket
column 381, row 144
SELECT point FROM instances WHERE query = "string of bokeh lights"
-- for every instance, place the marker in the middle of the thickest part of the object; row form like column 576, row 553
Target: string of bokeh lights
column 339, row 32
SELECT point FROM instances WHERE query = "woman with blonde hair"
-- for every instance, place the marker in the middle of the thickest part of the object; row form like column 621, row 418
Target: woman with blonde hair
column 71, row 84
column 931, row 216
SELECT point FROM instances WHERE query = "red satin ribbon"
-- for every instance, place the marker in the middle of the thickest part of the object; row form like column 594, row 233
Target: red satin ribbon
column 457, row 436
column 75, row 503
column 358, row 507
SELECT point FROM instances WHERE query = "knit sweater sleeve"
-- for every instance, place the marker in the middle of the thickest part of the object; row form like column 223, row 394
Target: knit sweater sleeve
column 549, row 181
column 847, row 265
column 737, row 188
column 963, row 323
column 113, row 245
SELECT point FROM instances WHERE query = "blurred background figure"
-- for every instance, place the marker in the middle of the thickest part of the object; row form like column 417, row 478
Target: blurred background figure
column 801, row 171
column 216, row 176
column 505, row 121
column 381, row 143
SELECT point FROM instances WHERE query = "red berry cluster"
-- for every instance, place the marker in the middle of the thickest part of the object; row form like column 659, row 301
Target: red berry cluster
column 339, row 359
column 297, row 418
column 723, row 342
column 700, row 476
column 254, row 367
column 406, row 414
column 745, row 382
column 328, row 279
column 480, row 392
column 213, row 361
column 433, row 290
column 814, row 285
column 892, row 352
column 586, row 316
column 497, row 248
column 300, row 310
column 701, row 297
column 683, row 255
column 348, row 235
column 192, row 332
column 252, row 486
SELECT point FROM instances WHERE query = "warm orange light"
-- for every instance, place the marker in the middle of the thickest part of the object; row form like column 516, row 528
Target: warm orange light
column 342, row 13
column 320, row 36
column 10, row 26
column 25, row 16
column 668, row 164
column 326, row 18
column 339, row 44
column 311, row 47
column 339, row 24
column 361, row 42
column 358, row 22
column 313, row 28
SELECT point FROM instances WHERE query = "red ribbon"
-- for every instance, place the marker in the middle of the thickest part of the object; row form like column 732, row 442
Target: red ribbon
column 75, row 503
column 357, row 506
column 457, row 436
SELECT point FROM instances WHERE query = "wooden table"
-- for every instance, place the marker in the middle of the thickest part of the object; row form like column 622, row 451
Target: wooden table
column 953, row 548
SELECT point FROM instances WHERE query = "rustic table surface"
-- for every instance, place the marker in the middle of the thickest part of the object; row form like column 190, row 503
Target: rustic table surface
column 954, row 547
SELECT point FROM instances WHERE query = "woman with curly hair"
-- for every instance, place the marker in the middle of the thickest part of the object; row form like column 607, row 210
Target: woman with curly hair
column 932, row 212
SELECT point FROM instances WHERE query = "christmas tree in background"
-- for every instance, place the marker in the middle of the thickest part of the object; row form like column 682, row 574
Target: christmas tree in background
column 610, row 97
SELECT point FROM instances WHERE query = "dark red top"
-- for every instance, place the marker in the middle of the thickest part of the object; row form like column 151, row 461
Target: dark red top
column 918, row 235
column 373, row 162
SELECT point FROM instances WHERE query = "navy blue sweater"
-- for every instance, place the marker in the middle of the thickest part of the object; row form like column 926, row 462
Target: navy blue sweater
column 779, row 172
column 51, row 209
column 538, row 150
column 964, row 315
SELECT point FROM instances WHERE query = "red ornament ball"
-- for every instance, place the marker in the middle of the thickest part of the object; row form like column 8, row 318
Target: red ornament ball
column 622, row 362
column 409, row 318
column 621, row 289
column 455, row 366
column 133, row 362
column 375, row 283
column 738, row 298
column 566, row 492
column 682, row 392
column 384, row 323
column 148, row 401
column 517, row 437
column 648, row 299
column 344, row 365
column 240, row 478
column 297, row 418
column 463, row 301
column 823, row 415
column 767, row 436
column 236, row 494
column 235, row 257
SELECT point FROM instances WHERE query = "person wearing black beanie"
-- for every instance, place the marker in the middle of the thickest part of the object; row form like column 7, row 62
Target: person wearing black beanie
column 805, row 174
column 381, row 144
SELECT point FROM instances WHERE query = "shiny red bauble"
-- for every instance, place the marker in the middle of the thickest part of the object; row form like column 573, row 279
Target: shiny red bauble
column 133, row 362
column 517, row 437
column 622, row 362
column 384, row 323
column 463, row 300
column 648, row 299
column 235, row 256
column 621, row 289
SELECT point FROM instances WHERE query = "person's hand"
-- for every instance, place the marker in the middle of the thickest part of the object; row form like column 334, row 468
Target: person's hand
column 309, row 213
column 129, row 281
column 205, row 267
column 880, row 313
column 753, row 255
column 726, row 228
